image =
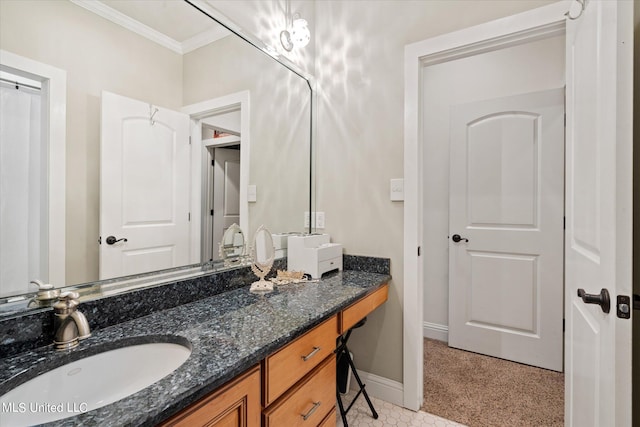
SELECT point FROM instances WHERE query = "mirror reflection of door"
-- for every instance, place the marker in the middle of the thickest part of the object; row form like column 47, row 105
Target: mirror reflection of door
column 221, row 137
column 226, row 190
column 23, row 185
column 144, row 187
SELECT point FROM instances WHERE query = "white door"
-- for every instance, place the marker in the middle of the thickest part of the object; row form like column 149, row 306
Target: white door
column 226, row 192
column 506, row 203
column 144, row 187
column 599, row 213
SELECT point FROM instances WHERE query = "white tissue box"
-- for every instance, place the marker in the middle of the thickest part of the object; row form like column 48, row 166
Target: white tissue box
column 313, row 254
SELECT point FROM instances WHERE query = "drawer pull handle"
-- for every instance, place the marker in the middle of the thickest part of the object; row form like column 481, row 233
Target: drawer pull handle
column 310, row 355
column 306, row 416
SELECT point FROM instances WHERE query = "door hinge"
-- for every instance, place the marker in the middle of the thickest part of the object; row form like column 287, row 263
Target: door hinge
column 189, row 216
column 564, row 325
column 189, row 140
column 623, row 306
column 419, row 250
column 564, row 222
column 211, row 212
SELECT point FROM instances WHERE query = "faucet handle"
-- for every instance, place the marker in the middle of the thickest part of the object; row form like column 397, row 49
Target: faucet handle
column 67, row 303
column 68, row 296
column 46, row 291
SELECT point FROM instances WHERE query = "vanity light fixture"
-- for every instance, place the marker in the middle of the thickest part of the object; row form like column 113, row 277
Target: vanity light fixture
column 298, row 34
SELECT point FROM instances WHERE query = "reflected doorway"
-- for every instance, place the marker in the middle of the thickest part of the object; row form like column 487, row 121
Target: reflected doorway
column 222, row 178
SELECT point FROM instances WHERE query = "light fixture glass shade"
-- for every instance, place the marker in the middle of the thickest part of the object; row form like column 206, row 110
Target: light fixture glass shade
column 285, row 40
column 300, row 34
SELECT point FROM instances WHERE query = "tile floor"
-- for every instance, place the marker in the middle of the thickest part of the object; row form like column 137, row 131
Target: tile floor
column 388, row 415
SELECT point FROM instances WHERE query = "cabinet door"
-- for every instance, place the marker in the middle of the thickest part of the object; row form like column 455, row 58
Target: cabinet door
column 236, row 404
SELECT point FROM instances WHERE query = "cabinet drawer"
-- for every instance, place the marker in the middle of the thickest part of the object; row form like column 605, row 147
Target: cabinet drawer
column 330, row 420
column 309, row 403
column 359, row 310
column 235, row 404
column 289, row 364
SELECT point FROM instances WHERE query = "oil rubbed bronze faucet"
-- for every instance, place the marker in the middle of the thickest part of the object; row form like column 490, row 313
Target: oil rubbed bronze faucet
column 69, row 324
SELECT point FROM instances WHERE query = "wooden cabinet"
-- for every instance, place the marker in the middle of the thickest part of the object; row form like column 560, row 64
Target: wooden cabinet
column 300, row 379
column 309, row 402
column 236, row 404
column 297, row 382
column 288, row 365
column 330, row 420
column 360, row 309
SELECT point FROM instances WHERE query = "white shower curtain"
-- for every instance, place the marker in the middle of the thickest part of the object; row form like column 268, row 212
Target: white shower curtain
column 23, row 197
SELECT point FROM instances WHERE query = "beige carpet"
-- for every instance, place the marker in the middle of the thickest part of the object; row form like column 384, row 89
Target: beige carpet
column 484, row 391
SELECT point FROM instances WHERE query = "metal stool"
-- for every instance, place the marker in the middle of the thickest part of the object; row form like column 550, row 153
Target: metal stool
column 343, row 358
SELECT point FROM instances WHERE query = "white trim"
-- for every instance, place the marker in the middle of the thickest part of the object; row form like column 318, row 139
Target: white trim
column 54, row 91
column 206, row 108
column 435, row 331
column 502, row 32
column 129, row 23
column 380, row 387
column 202, row 39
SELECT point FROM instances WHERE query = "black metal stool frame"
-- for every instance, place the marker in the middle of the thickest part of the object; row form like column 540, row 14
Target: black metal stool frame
column 343, row 351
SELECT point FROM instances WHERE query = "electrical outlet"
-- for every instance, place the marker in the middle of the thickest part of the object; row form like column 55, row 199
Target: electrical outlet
column 319, row 219
column 306, row 219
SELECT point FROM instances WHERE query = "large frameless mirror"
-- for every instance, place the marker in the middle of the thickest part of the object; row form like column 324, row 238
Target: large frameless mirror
column 144, row 131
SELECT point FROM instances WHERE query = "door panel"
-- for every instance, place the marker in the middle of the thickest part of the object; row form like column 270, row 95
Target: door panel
column 144, row 187
column 226, row 192
column 599, row 217
column 503, row 176
column 506, row 198
column 518, row 278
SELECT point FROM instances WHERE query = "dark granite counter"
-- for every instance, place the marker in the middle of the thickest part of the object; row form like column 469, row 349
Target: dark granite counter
column 228, row 333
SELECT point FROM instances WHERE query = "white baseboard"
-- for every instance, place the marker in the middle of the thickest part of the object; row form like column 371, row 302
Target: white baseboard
column 381, row 388
column 435, row 331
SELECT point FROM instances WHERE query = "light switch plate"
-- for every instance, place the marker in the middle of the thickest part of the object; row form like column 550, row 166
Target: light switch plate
column 319, row 219
column 397, row 190
column 306, row 219
column 252, row 194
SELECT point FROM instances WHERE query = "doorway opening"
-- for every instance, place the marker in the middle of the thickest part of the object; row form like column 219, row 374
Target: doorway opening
column 493, row 208
column 514, row 32
column 221, row 136
column 220, row 130
column 33, row 166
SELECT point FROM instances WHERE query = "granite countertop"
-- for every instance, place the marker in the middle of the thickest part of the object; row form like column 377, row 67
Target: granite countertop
column 228, row 333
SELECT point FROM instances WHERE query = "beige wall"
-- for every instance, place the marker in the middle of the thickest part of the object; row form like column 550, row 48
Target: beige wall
column 90, row 49
column 359, row 66
column 280, row 121
column 265, row 19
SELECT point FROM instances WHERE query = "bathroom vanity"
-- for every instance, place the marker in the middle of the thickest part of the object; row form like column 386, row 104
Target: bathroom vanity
column 255, row 359
column 298, row 381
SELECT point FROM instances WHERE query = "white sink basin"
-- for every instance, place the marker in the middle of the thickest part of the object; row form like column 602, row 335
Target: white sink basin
column 90, row 383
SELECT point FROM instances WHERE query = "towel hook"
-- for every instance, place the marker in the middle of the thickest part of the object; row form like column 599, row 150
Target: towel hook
column 152, row 112
column 583, row 6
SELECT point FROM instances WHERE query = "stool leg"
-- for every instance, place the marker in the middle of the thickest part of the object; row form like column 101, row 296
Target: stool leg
column 362, row 386
column 343, row 414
